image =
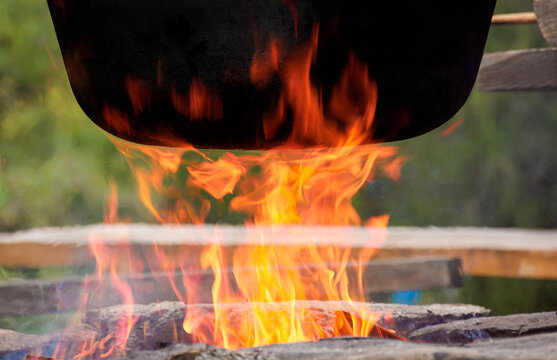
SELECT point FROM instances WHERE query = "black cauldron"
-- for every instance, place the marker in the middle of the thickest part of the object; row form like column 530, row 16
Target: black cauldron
column 424, row 56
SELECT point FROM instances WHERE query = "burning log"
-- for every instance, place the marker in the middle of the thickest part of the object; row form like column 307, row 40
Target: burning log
column 464, row 331
column 157, row 325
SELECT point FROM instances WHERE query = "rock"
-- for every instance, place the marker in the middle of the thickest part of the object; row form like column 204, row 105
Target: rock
column 535, row 347
column 408, row 318
column 14, row 345
column 466, row 331
column 155, row 326
column 14, row 341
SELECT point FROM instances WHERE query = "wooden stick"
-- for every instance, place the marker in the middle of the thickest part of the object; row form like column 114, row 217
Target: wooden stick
column 514, row 18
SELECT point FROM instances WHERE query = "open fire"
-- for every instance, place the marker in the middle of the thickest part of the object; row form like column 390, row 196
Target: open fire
column 273, row 189
column 187, row 75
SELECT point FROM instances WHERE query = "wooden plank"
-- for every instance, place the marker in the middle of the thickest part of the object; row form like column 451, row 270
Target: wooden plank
column 484, row 252
column 546, row 12
column 33, row 297
column 519, row 70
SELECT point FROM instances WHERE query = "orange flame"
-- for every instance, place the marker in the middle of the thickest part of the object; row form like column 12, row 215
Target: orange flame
column 139, row 94
column 452, row 127
column 200, row 103
column 291, row 4
column 277, row 187
column 264, row 63
column 116, row 120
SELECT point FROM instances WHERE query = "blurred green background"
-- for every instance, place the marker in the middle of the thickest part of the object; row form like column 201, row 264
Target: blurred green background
column 497, row 169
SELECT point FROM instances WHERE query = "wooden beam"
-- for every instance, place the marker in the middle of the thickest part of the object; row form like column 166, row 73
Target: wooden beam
column 546, row 12
column 484, row 252
column 519, row 70
column 31, row 297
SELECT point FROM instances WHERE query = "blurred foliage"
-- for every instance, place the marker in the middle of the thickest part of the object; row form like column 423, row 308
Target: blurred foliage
column 510, row 296
column 36, row 324
column 503, row 296
column 497, row 169
column 54, row 161
column 45, row 273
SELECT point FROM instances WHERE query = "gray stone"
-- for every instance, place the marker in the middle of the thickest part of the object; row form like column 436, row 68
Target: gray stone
column 466, row 331
column 535, row 347
column 407, row 318
column 155, row 326
column 159, row 325
column 14, row 341
column 71, row 339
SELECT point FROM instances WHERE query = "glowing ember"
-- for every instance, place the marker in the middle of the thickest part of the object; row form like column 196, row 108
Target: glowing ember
column 278, row 187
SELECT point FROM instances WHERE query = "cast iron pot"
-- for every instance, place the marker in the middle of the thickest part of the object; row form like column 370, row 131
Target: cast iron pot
column 125, row 58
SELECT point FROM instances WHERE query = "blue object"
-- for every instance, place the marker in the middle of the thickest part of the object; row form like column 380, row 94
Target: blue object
column 406, row 297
